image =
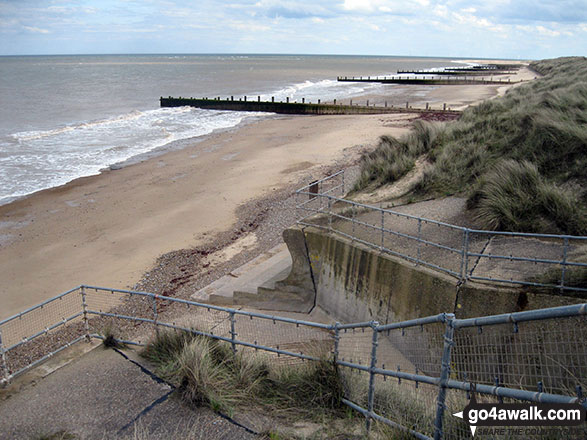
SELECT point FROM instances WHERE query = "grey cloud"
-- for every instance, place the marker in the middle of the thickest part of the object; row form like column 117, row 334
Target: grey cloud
column 525, row 11
column 562, row 11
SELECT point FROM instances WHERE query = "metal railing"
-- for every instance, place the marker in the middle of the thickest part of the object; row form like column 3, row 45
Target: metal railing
column 407, row 375
column 512, row 258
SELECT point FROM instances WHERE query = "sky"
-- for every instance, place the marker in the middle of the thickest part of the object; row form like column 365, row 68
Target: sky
column 515, row 29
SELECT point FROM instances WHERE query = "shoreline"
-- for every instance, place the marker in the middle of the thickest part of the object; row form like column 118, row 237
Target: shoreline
column 113, row 228
column 175, row 145
column 109, row 229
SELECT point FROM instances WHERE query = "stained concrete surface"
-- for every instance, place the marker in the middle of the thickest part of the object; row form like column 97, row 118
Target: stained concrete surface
column 105, row 395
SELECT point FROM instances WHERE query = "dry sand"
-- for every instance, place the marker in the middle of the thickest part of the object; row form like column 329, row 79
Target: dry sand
column 108, row 230
column 459, row 97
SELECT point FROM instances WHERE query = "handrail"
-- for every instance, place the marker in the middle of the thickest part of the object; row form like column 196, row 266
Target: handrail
column 333, row 207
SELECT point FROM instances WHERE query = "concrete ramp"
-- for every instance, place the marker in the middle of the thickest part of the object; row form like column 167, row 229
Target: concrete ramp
column 259, row 284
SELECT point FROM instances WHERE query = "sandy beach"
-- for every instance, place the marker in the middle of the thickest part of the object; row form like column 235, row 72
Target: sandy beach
column 109, row 229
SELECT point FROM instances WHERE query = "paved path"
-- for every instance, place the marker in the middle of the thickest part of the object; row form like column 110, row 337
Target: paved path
column 104, row 395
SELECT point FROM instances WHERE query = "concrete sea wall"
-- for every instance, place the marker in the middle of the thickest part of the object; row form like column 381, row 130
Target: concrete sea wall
column 354, row 283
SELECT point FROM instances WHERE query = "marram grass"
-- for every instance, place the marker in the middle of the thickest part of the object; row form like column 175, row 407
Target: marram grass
column 542, row 124
column 208, row 373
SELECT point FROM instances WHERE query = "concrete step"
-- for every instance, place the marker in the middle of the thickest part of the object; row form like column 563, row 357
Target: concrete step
column 264, row 270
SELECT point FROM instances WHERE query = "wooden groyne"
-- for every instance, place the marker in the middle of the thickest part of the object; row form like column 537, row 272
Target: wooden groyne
column 433, row 80
column 297, row 108
column 486, row 67
column 458, row 72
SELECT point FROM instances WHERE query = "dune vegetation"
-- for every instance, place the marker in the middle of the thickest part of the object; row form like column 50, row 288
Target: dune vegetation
column 520, row 159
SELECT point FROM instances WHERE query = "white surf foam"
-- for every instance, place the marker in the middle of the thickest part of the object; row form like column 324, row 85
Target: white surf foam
column 35, row 160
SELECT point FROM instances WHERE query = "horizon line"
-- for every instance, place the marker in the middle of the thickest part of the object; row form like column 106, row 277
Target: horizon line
column 257, row 54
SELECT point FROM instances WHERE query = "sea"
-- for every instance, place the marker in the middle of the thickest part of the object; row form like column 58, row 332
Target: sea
column 65, row 117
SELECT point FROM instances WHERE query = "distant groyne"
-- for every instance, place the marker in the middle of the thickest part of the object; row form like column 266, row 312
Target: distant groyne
column 433, row 80
column 297, row 108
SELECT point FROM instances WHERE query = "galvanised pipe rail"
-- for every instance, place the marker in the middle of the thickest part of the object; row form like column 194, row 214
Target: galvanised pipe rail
column 492, row 390
column 38, row 306
column 530, row 315
column 388, row 211
column 201, row 333
column 218, row 308
column 527, row 283
column 371, row 414
column 33, row 364
column 534, row 260
column 527, row 234
column 332, row 176
column 464, row 252
column 246, row 344
column 444, row 382
column 386, row 250
column 442, row 317
column 366, row 324
column 439, row 223
column 44, row 331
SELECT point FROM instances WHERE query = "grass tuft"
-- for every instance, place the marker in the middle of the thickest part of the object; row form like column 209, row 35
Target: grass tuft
column 208, row 373
column 394, row 158
column 513, row 196
column 110, row 340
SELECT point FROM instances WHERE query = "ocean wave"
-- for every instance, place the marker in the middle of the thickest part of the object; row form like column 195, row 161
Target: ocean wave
column 45, row 159
column 325, row 90
column 133, row 115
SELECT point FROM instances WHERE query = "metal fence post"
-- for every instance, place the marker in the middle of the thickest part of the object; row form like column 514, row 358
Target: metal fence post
column 371, row 395
column 85, row 313
column 382, row 230
column 419, row 241
column 353, row 222
column 155, row 314
column 5, row 369
column 465, row 257
column 232, row 332
column 329, row 214
column 444, row 376
column 336, row 340
column 564, row 263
